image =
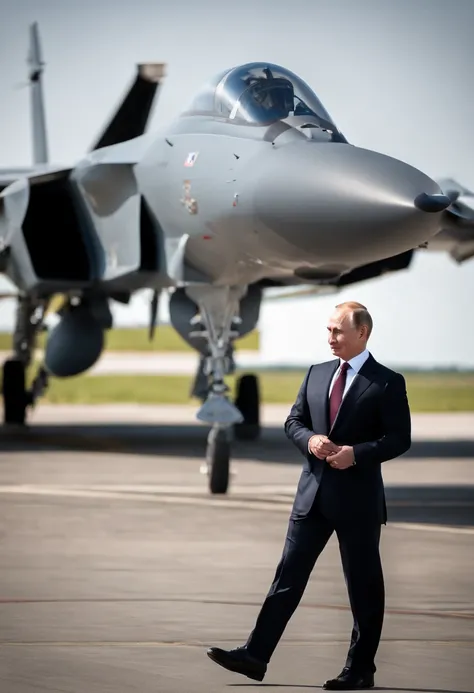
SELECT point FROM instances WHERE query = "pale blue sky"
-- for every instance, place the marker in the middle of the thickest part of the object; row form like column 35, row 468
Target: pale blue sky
column 395, row 75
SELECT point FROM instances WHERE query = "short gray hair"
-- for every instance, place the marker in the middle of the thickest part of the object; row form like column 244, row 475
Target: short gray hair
column 360, row 316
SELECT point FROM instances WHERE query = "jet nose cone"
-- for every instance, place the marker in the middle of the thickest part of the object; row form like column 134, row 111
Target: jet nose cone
column 346, row 205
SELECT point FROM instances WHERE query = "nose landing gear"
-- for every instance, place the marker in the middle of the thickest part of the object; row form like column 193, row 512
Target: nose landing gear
column 218, row 311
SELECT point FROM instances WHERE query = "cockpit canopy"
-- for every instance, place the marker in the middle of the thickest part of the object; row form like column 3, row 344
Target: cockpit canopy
column 259, row 94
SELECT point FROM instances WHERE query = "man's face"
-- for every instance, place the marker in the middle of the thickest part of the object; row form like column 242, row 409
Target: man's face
column 344, row 339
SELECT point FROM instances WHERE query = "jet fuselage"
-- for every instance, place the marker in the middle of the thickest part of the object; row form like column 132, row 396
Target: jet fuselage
column 243, row 203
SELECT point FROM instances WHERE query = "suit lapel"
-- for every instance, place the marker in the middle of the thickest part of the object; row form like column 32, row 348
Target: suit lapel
column 361, row 382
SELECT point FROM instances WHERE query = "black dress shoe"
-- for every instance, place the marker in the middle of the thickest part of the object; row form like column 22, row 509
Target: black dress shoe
column 240, row 661
column 349, row 681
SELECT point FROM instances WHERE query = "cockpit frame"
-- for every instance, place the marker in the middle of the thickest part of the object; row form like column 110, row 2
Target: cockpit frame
column 259, row 94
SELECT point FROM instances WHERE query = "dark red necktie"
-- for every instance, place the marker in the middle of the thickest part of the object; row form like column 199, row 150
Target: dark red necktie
column 337, row 392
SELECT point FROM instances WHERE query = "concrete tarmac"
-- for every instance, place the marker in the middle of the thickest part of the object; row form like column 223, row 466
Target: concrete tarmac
column 118, row 569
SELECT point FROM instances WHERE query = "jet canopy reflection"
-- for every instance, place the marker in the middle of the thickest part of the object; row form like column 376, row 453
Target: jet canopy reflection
column 259, row 94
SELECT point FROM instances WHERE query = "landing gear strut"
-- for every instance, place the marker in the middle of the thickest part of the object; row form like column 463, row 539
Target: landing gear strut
column 16, row 397
column 218, row 311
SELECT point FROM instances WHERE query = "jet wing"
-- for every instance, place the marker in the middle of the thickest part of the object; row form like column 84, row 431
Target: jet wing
column 11, row 175
column 7, row 176
column 294, row 287
column 457, row 223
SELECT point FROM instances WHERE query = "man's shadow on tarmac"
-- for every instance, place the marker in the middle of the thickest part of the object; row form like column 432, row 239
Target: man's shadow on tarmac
column 375, row 688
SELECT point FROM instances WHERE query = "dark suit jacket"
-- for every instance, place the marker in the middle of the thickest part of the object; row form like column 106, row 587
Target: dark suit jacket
column 374, row 417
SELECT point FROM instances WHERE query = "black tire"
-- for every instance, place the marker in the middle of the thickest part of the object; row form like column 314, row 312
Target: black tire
column 14, row 392
column 218, row 460
column 248, row 403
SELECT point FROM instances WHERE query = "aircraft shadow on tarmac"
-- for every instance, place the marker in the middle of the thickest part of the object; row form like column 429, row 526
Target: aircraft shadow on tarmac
column 185, row 440
column 429, row 504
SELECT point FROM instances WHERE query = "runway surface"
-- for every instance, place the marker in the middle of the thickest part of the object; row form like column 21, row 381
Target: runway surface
column 118, row 569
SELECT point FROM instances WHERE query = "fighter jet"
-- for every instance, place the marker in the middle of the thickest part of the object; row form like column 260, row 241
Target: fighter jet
column 252, row 186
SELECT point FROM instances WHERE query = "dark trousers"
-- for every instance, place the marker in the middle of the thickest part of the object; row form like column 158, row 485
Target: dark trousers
column 359, row 549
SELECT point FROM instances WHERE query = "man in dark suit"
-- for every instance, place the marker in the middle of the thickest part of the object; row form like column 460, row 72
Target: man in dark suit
column 350, row 415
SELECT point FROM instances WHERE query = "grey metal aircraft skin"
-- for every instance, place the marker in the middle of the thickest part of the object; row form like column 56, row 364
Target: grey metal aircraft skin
column 253, row 186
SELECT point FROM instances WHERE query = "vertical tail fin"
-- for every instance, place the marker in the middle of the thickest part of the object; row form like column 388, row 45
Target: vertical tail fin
column 38, row 120
column 131, row 117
